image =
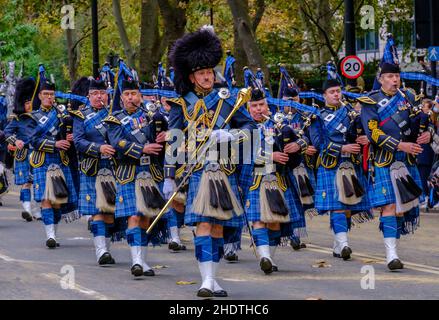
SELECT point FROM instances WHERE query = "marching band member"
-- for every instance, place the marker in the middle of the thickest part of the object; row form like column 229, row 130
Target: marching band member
column 15, row 135
column 138, row 173
column 213, row 199
column 53, row 184
column 395, row 129
column 340, row 182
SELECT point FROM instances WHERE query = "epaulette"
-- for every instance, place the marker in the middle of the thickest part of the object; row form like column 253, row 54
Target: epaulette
column 366, row 99
column 24, row 114
column 77, row 113
column 112, row 119
column 177, row 101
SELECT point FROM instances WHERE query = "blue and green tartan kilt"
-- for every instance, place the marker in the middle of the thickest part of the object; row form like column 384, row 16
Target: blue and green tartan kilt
column 126, row 196
column 381, row 192
column 22, row 171
column 87, row 192
column 326, row 196
column 39, row 178
column 192, row 218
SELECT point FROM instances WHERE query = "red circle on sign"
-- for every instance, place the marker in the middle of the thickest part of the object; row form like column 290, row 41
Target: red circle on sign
column 352, row 67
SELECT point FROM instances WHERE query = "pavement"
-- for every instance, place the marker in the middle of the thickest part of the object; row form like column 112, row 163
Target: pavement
column 28, row 270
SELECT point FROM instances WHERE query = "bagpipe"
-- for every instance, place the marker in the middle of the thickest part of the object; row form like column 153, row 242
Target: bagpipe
column 350, row 189
column 57, row 191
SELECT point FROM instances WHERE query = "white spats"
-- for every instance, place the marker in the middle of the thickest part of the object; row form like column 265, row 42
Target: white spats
column 27, row 206
column 206, row 270
column 50, row 231
column 100, row 246
column 340, row 241
column 136, row 255
column 175, row 234
column 390, row 244
column 263, row 251
column 216, row 286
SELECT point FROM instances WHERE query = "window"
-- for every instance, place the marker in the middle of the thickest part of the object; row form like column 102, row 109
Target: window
column 367, row 41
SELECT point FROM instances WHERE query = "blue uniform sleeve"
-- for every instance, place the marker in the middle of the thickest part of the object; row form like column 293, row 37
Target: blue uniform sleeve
column 83, row 145
column 11, row 131
column 44, row 144
column 123, row 146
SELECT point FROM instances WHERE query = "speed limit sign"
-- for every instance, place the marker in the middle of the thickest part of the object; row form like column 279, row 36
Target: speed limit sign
column 352, row 67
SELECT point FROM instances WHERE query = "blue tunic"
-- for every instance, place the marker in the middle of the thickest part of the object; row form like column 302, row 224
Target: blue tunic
column 44, row 130
column 329, row 145
column 182, row 111
column 16, row 130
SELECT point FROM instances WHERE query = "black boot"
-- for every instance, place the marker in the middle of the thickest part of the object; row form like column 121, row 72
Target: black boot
column 149, row 273
column 137, row 270
column 395, row 264
column 51, row 243
column 266, row 265
column 204, row 293
column 174, row 246
column 106, row 258
column 26, row 216
column 346, row 253
column 231, row 257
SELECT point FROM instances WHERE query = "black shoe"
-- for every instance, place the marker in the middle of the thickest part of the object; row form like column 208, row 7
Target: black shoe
column 275, row 268
column 26, row 216
column 149, row 273
column 295, row 245
column 302, row 245
column 266, row 265
column 395, row 264
column 174, row 246
column 346, row 253
column 336, row 255
column 137, row 270
column 204, row 293
column 220, row 294
column 231, row 257
column 106, row 258
column 51, row 243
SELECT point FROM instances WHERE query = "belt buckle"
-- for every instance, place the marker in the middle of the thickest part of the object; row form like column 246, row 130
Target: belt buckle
column 145, row 160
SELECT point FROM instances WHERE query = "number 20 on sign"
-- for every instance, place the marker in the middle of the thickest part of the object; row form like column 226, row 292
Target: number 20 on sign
column 352, row 67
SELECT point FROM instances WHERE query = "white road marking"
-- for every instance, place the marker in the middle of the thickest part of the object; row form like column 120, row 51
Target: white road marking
column 83, row 290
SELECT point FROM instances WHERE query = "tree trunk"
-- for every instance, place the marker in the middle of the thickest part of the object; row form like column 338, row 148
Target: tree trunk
column 174, row 17
column 242, row 22
column 128, row 49
column 240, row 56
column 149, row 55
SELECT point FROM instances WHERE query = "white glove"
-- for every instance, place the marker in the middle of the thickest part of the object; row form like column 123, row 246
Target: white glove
column 222, row 136
column 169, row 187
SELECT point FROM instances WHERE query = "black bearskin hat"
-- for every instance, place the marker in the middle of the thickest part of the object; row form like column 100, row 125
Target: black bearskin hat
column 24, row 91
column 97, row 85
column 80, row 88
column 194, row 51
